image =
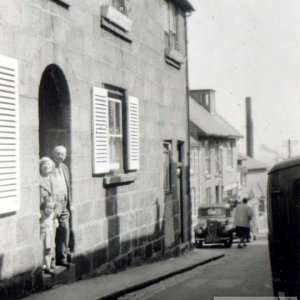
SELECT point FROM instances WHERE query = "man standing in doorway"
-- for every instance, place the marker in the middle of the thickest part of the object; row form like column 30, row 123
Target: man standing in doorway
column 243, row 216
column 61, row 178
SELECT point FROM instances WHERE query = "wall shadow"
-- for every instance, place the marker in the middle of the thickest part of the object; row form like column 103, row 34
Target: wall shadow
column 21, row 285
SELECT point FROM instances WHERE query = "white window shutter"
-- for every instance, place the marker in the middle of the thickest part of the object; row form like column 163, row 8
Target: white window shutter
column 133, row 147
column 100, row 131
column 9, row 136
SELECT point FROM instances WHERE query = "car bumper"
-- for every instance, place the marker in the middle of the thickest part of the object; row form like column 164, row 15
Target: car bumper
column 212, row 240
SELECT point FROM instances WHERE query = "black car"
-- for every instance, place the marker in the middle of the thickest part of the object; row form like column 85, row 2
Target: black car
column 215, row 225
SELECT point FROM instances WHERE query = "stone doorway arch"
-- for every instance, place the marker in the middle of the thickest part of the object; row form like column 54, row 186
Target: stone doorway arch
column 54, row 111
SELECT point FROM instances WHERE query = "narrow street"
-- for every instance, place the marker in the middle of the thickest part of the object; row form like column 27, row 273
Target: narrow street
column 242, row 272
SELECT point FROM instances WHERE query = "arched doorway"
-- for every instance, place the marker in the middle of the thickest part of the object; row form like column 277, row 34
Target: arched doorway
column 54, row 111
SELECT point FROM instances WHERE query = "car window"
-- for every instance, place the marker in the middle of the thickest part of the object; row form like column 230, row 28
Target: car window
column 212, row 212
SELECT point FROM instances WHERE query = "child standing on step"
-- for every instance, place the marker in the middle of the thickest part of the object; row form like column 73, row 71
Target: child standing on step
column 48, row 223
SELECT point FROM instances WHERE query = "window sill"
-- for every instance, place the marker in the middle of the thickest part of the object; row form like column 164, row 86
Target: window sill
column 115, row 179
column 114, row 16
column 116, row 22
column 64, row 3
column 106, row 24
column 174, row 58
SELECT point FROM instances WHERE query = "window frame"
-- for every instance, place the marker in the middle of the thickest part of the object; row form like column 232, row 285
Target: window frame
column 100, row 136
column 173, row 55
column 243, row 178
column 230, row 160
column 170, row 28
column 119, row 165
column 207, row 157
column 217, row 160
column 119, row 93
column 195, row 160
column 167, row 152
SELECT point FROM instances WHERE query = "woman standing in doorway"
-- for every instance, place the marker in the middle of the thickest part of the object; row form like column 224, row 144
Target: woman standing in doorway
column 46, row 190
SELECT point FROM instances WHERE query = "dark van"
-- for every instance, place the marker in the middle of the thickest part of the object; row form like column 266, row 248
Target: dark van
column 284, row 226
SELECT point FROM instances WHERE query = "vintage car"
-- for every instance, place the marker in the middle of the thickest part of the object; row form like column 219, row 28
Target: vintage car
column 215, row 225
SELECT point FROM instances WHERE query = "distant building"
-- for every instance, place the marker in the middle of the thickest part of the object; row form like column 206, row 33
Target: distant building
column 252, row 178
column 213, row 141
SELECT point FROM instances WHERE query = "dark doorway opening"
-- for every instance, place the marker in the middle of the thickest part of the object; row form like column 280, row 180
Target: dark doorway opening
column 217, row 194
column 54, row 111
column 180, row 189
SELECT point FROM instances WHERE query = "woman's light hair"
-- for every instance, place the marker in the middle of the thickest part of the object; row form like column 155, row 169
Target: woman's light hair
column 46, row 159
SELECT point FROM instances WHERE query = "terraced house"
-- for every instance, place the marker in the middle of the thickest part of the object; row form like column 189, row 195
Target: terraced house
column 108, row 81
column 214, row 173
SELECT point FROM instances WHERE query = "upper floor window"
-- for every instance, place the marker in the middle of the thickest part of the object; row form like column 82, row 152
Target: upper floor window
column 230, row 148
column 243, row 178
column 194, row 160
column 170, row 26
column 207, row 156
column 218, row 159
column 205, row 100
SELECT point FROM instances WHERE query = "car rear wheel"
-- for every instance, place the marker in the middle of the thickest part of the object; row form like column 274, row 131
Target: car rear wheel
column 228, row 243
column 199, row 244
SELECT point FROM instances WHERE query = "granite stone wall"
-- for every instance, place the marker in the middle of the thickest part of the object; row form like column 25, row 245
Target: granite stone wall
column 117, row 225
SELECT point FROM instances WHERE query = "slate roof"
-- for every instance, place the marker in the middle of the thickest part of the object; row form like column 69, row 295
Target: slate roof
column 207, row 124
column 251, row 163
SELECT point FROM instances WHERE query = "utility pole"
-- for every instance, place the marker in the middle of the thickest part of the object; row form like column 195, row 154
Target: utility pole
column 289, row 145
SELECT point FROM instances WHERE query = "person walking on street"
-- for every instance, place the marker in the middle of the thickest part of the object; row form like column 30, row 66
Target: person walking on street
column 243, row 216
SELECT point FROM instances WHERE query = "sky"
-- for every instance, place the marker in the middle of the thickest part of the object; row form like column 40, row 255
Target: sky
column 250, row 48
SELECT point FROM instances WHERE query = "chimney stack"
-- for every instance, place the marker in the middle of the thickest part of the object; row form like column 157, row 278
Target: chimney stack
column 249, row 125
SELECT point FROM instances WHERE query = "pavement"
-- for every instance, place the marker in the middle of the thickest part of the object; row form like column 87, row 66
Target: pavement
column 134, row 278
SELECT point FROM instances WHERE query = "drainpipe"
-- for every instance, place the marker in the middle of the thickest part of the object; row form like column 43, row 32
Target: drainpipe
column 188, row 188
column 249, row 129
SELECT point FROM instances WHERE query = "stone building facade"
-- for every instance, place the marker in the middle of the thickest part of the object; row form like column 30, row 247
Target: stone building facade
column 253, row 179
column 213, row 175
column 108, row 81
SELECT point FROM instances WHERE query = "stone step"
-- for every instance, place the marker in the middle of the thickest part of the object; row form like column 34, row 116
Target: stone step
column 62, row 275
column 184, row 247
